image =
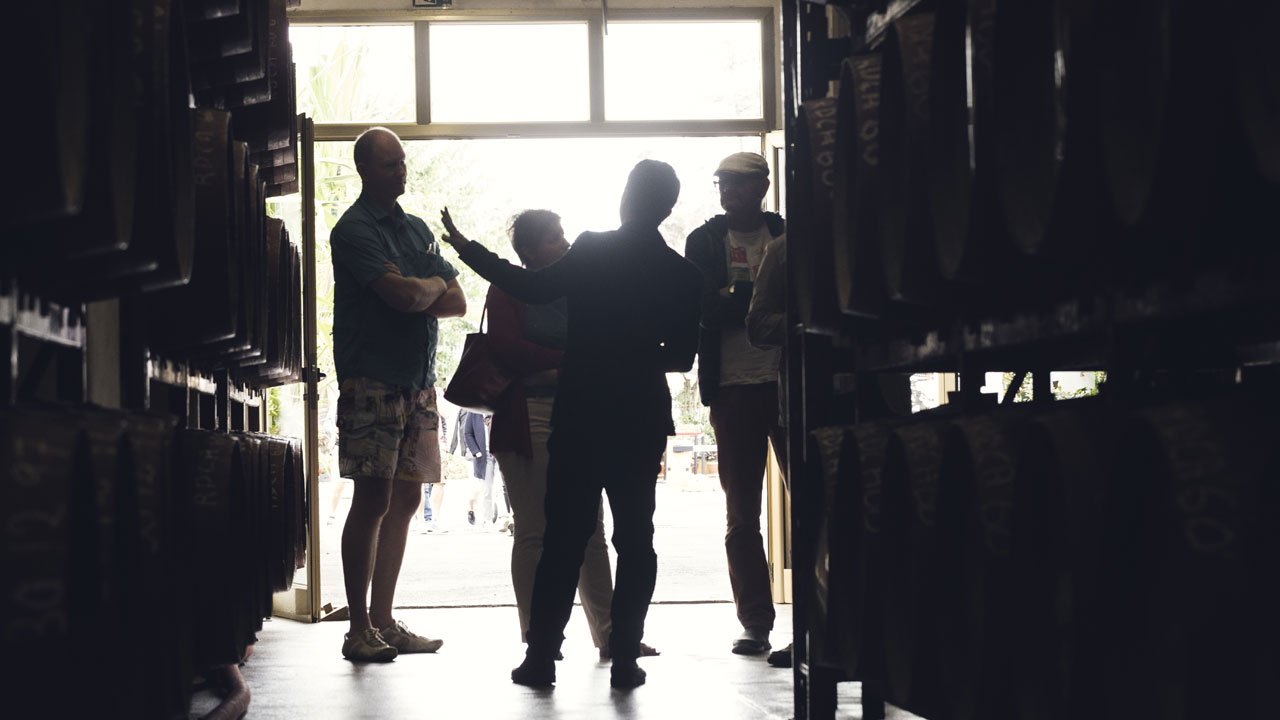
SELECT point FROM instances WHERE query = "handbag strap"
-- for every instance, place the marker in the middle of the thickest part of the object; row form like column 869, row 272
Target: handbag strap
column 484, row 309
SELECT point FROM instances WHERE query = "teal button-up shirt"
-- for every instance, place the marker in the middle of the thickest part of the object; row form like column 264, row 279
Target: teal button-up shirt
column 370, row 339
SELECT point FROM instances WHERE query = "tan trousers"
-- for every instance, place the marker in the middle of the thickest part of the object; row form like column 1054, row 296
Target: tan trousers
column 526, row 480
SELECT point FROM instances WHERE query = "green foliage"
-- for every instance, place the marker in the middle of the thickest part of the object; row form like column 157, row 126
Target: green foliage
column 1024, row 393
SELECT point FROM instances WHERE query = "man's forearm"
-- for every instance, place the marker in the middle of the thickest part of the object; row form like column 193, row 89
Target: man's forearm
column 452, row 303
column 427, row 291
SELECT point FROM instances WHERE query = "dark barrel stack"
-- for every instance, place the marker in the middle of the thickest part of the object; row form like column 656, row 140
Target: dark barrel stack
column 1037, row 186
column 1047, row 563
column 138, row 554
column 144, row 547
column 995, row 154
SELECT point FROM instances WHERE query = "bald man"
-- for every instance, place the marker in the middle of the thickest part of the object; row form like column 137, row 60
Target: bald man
column 390, row 289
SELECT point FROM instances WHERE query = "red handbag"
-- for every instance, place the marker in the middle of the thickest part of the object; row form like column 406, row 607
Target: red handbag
column 480, row 378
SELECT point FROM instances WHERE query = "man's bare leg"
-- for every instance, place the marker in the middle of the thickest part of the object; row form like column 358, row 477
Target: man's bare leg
column 392, row 536
column 437, row 502
column 369, row 503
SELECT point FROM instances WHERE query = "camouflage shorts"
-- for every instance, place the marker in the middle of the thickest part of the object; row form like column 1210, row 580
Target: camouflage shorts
column 386, row 431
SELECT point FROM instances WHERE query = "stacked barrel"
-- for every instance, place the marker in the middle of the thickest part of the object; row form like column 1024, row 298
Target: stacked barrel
column 985, row 155
column 137, row 554
column 1085, row 560
column 977, row 175
column 170, row 123
column 138, row 549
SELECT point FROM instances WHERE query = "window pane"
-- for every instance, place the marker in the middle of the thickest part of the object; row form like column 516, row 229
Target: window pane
column 355, row 74
column 509, row 73
column 717, row 65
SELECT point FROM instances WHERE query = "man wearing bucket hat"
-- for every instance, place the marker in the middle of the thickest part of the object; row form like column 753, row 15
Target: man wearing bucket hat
column 739, row 382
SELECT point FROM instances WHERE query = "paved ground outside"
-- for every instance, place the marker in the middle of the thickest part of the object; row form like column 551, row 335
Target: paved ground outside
column 469, row 566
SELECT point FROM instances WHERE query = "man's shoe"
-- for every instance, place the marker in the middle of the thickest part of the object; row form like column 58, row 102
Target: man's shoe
column 645, row 651
column 752, row 641
column 535, row 673
column 367, row 646
column 405, row 641
column 626, row 675
column 781, row 658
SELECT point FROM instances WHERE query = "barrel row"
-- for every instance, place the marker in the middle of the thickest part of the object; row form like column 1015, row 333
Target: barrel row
column 137, row 555
column 1007, row 153
column 138, row 199
column 242, row 308
column 1080, row 561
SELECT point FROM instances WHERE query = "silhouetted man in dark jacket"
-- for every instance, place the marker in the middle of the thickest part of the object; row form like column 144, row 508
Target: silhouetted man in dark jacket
column 633, row 317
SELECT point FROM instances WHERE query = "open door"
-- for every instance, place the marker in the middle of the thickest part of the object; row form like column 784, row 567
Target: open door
column 302, row 601
column 778, row 503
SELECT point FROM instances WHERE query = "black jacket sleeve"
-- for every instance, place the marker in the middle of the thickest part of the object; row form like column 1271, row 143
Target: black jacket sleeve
column 705, row 249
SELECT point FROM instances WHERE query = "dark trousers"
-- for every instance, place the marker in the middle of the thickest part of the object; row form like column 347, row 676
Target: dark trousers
column 745, row 418
column 583, row 463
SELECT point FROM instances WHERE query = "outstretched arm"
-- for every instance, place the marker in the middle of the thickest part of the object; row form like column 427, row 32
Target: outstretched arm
column 539, row 287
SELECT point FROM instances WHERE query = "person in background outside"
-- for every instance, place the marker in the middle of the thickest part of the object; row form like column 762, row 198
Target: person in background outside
column 476, row 438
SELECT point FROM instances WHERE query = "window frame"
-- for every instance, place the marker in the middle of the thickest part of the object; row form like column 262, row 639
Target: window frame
column 597, row 125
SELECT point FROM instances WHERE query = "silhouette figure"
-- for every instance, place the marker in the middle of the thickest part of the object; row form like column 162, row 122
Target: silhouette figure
column 633, row 316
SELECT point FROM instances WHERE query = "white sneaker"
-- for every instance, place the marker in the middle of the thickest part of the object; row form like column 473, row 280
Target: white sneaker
column 404, row 640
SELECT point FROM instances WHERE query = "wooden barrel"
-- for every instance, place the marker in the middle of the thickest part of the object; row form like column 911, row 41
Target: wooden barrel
column 862, row 647
column 159, row 250
column 1162, row 99
column 301, row 508
column 147, row 566
column 41, row 455
column 254, row 282
column 810, row 231
column 856, row 242
column 830, row 563
column 906, row 224
column 51, row 59
column 204, row 310
column 912, row 470
column 243, row 543
column 968, row 240
column 282, row 531
column 1030, row 45
column 257, row 232
column 1183, row 545
column 210, row 354
column 221, row 36
column 174, row 239
column 1257, row 81
column 975, row 590
column 270, row 125
column 279, row 56
column 1057, row 546
column 106, row 222
column 206, row 464
column 233, row 50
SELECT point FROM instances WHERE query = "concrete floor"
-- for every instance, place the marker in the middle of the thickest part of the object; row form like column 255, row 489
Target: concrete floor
column 297, row 671
column 469, row 566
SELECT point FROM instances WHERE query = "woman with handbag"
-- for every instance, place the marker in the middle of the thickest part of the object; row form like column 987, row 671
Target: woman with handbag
column 528, row 340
